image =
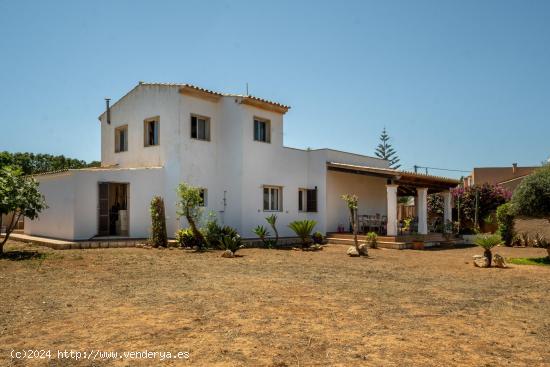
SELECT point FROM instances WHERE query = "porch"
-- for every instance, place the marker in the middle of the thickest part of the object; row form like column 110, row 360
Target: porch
column 381, row 189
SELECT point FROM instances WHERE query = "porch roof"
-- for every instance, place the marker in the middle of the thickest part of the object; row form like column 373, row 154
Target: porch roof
column 407, row 181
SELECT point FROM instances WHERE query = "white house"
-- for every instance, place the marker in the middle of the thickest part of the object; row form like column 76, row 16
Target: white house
column 159, row 135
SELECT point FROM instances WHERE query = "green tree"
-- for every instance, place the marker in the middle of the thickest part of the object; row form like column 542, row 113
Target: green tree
column 158, row 223
column 505, row 220
column 19, row 196
column 532, row 197
column 385, row 150
column 30, row 163
column 189, row 206
column 352, row 203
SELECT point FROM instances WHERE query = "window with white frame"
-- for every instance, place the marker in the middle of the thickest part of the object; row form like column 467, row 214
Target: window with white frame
column 307, row 200
column 273, row 198
column 121, row 139
column 262, row 130
column 151, row 131
column 200, row 127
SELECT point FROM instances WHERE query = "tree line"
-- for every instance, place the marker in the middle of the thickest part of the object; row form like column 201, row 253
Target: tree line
column 30, row 163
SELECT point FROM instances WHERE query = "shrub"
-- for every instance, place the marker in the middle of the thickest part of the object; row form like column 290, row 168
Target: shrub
column 262, row 234
column 272, row 221
column 487, row 242
column 372, row 239
column 318, row 238
column 232, row 243
column 505, row 220
column 532, row 197
column 352, row 203
column 186, row 239
column 303, row 229
column 158, row 223
column 542, row 242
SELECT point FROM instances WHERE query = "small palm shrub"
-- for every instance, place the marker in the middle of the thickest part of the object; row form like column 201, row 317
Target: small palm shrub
column 542, row 242
column 262, row 234
column 525, row 240
column 158, row 223
column 372, row 239
column 232, row 243
column 303, row 229
column 186, row 239
column 487, row 242
column 505, row 220
column 272, row 221
column 318, row 238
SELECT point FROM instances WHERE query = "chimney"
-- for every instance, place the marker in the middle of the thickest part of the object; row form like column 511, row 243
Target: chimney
column 514, row 168
column 108, row 110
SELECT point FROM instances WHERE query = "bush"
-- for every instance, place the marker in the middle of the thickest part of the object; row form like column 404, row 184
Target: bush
column 532, row 197
column 232, row 243
column 262, row 234
column 372, row 239
column 190, row 206
column 487, row 242
column 505, row 220
column 318, row 238
column 303, row 229
column 542, row 242
column 272, row 221
column 158, row 223
column 186, row 239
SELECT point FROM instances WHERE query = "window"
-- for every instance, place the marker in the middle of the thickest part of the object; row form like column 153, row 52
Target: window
column 307, row 200
column 151, row 131
column 262, row 130
column 121, row 139
column 204, row 197
column 200, row 127
column 273, row 198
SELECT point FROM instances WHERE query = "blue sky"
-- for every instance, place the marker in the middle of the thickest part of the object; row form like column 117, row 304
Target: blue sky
column 457, row 84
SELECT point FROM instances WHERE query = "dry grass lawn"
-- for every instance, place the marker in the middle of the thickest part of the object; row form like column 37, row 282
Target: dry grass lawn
column 277, row 308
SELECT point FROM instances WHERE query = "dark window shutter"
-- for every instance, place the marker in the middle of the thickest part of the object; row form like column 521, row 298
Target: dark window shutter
column 300, row 200
column 193, row 127
column 312, row 200
column 256, row 130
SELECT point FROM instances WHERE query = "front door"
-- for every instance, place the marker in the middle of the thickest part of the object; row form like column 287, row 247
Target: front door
column 103, row 207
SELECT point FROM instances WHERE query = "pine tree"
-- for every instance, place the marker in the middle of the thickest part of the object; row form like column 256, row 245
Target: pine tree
column 386, row 151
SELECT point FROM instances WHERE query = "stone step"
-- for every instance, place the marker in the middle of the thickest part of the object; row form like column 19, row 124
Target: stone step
column 382, row 244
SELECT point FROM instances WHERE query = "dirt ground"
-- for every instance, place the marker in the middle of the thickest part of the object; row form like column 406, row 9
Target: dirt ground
column 276, row 307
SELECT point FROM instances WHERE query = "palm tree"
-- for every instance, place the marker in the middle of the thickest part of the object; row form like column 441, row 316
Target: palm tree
column 487, row 241
column 272, row 220
column 303, row 229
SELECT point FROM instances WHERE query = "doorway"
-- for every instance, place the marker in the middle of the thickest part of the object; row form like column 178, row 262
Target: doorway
column 113, row 209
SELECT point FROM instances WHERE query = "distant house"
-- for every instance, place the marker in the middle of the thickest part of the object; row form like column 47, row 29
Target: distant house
column 231, row 146
column 507, row 177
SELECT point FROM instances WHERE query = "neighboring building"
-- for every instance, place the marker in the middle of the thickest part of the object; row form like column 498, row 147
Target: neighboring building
column 159, row 135
column 508, row 177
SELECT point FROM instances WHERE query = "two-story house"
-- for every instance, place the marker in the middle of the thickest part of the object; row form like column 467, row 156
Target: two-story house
column 158, row 135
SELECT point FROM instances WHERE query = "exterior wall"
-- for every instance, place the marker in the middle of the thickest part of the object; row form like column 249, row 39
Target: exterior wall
column 370, row 190
column 231, row 166
column 495, row 175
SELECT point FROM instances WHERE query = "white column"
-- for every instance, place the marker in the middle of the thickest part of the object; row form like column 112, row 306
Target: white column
column 447, row 209
column 392, row 209
column 422, row 195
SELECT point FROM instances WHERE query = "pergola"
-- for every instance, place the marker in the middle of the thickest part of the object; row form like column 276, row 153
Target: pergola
column 403, row 183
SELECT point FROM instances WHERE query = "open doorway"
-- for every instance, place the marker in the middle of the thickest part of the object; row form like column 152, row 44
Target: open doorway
column 113, row 209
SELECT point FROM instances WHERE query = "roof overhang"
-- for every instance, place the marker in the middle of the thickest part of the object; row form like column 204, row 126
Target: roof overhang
column 193, row 91
column 407, row 181
column 264, row 104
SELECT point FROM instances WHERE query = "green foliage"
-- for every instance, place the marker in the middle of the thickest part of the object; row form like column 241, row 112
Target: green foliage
column 532, row 197
column 384, row 150
column 351, row 201
column 318, row 238
column 505, row 220
column 544, row 261
column 303, row 229
column 435, row 205
column 232, row 243
column 542, row 242
column 18, row 195
column 186, row 239
column 372, row 239
column 488, row 241
column 158, row 223
column 263, row 235
column 272, row 221
column 30, row 163
column 189, row 206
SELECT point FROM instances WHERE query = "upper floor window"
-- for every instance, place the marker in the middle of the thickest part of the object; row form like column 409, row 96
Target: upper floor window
column 307, row 200
column 200, row 127
column 121, row 139
column 151, row 132
column 262, row 130
column 273, row 198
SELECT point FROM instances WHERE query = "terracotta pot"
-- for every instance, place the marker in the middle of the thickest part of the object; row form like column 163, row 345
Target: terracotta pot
column 418, row 245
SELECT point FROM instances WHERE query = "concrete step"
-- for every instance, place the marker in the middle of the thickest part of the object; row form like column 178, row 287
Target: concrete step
column 382, row 244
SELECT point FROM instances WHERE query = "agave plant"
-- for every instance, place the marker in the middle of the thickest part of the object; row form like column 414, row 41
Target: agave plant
column 303, row 229
column 542, row 242
column 487, row 241
column 525, row 239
